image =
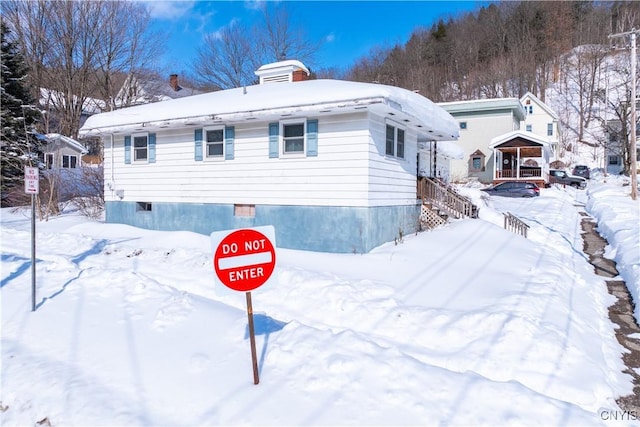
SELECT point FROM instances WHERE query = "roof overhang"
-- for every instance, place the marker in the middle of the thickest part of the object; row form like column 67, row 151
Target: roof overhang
column 429, row 121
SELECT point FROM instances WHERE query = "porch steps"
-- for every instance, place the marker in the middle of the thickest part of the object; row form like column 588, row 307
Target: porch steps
column 439, row 202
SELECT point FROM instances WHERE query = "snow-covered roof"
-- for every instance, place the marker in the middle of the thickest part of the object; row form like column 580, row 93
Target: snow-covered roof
column 58, row 99
column 530, row 136
column 55, row 137
column 291, row 63
column 277, row 100
column 482, row 105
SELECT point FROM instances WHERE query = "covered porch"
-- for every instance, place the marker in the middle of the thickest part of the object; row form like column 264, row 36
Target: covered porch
column 521, row 156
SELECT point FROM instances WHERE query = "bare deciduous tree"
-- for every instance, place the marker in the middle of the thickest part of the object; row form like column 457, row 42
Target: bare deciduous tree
column 76, row 48
column 229, row 57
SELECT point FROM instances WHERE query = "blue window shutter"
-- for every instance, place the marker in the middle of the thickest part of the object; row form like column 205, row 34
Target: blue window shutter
column 152, row 148
column 229, row 135
column 198, row 144
column 127, row 149
column 312, row 138
column 274, row 130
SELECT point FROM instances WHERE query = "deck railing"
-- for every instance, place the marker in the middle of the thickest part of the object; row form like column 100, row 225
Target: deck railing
column 530, row 172
column 514, row 224
column 446, row 199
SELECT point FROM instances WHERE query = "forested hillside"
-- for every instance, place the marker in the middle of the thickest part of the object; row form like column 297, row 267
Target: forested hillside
column 502, row 50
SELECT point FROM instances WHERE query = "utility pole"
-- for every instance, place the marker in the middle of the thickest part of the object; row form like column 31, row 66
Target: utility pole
column 632, row 145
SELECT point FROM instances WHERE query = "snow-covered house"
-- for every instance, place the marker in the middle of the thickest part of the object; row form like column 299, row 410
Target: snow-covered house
column 541, row 120
column 495, row 147
column 62, row 152
column 332, row 165
column 138, row 90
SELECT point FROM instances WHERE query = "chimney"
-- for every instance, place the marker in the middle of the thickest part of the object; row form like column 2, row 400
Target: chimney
column 173, row 81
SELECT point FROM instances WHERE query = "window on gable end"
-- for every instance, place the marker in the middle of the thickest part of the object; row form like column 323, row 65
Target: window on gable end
column 549, row 129
column 69, row 161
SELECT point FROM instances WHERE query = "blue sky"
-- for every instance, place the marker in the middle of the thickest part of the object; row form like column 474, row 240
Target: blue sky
column 348, row 30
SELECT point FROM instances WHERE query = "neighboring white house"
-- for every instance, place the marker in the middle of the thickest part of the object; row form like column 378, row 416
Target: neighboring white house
column 480, row 122
column 62, row 152
column 541, row 120
column 137, row 90
column 332, row 165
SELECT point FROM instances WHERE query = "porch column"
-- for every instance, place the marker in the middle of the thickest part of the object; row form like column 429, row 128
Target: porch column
column 518, row 163
column 495, row 164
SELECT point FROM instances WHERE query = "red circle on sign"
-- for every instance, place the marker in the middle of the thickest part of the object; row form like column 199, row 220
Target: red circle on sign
column 244, row 260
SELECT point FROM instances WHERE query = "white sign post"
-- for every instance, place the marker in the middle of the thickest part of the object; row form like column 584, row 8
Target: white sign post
column 31, row 186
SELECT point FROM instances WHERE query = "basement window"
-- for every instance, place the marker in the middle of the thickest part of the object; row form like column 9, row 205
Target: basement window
column 143, row 207
column 244, row 210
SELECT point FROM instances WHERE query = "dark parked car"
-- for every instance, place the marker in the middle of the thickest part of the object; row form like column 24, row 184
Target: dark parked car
column 513, row 189
column 561, row 177
column 581, row 170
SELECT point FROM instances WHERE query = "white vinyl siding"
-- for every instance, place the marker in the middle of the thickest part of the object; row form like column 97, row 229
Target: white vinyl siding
column 350, row 164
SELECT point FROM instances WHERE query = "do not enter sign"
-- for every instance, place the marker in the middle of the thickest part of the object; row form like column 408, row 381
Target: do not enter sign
column 244, row 260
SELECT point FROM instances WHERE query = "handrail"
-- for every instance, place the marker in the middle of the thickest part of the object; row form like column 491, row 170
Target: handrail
column 446, row 199
column 515, row 224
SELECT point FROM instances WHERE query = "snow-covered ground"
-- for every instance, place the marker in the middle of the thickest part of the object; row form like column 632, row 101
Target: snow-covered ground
column 464, row 325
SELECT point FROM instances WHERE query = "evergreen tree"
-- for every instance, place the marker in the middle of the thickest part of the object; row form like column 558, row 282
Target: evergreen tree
column 17, row 115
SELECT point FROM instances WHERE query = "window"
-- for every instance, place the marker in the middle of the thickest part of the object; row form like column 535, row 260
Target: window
column 389, row 140
column 69, row 161
column 140, row 148
column 394, row 142
column 549, row 129
column 215, row 142
column 530, row 109
column 529, row 128
column 244, row 210
column 463, row 125
column 293, row 138
column 476, row 162
column 614, row 160
column 400, row 144
column 49, row 160
column 143, row 207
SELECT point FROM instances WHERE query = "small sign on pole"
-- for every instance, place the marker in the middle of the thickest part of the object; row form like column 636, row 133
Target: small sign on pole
column 31, row 186
column 31, row 179
column 243, row 261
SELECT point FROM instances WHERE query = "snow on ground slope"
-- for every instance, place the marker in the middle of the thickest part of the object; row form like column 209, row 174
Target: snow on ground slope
column 465, row 325
column 618, row 218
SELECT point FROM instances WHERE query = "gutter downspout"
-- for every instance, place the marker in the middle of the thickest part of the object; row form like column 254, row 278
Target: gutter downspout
column 112, row 183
